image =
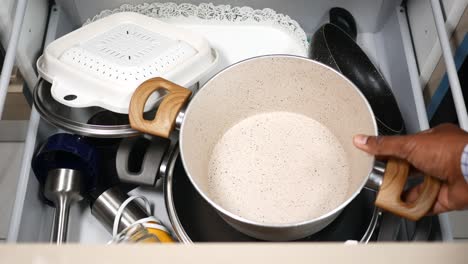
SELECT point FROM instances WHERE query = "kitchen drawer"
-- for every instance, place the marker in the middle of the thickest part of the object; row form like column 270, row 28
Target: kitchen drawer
column 385, row 37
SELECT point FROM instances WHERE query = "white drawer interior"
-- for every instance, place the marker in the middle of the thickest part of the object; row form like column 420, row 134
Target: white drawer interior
column 383, row 43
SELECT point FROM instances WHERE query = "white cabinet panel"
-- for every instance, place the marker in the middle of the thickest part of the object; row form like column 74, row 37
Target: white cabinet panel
column 10, row 162
column 424, row 32
column 370, row 14
column 32, row 34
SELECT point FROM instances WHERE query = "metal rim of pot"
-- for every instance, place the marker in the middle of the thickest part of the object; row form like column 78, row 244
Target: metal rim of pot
column 98, row 131
column 80, row 128
column 179, row 231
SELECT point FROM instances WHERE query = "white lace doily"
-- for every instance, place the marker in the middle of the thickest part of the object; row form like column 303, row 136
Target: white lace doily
column 213, row 14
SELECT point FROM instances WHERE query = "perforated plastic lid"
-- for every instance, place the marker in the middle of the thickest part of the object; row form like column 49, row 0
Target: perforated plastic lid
column 102, row 63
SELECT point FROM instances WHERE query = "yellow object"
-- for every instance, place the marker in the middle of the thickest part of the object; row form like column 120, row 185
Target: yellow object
column 163, row 236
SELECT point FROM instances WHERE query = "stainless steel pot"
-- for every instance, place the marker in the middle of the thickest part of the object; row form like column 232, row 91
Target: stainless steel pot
column 275, row 83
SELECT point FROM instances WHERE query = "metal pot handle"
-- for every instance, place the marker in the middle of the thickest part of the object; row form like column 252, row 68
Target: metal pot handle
column 394, row 180
column 164, row 122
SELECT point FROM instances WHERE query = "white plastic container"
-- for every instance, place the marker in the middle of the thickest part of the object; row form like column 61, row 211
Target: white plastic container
column 102, row 63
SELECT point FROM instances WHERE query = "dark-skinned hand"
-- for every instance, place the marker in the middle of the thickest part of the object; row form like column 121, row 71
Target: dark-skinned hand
column 435, row 152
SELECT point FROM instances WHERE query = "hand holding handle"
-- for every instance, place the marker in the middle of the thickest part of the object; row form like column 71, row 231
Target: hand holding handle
column 394, row 180
column 164, row 122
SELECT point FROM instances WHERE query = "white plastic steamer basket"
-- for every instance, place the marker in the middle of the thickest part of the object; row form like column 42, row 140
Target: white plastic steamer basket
column 102, row 63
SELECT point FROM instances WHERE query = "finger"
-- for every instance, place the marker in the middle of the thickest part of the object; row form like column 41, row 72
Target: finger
column 441, row 205
column 438, row 207
column 413, row 194
column 396, row 146
column 447, row 127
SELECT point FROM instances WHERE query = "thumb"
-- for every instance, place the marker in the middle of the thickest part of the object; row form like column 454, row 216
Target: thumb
column 395, row 146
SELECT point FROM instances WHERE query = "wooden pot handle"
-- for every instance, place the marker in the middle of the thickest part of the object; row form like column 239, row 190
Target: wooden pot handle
column 164, row 121
column 394, row 180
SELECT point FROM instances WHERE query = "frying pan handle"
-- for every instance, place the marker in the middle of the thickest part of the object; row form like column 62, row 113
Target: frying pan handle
column 394, row 180
column 343, row 19
column 164, row 122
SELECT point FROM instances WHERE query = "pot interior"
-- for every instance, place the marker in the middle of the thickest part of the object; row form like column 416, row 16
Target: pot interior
column 316, row 112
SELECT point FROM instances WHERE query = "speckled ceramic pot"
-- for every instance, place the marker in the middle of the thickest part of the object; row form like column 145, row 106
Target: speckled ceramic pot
column 254, row 86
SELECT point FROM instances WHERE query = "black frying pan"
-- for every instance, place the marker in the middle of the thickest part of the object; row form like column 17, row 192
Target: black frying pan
column 334, row 44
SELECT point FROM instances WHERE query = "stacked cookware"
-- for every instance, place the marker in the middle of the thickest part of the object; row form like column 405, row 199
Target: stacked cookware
column 87, row 81
column 117, row 86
